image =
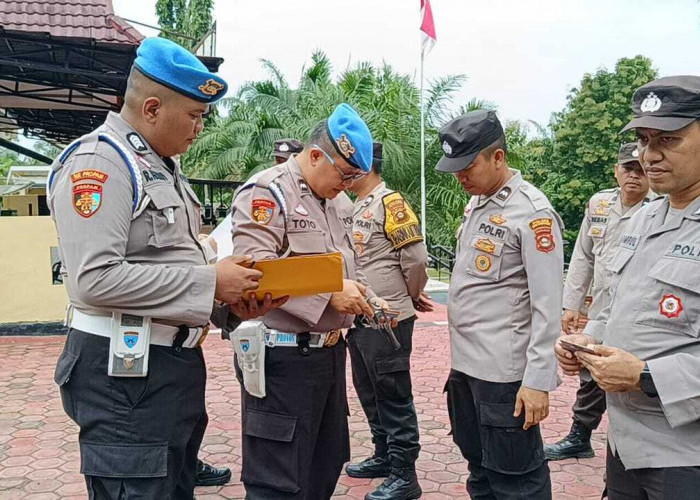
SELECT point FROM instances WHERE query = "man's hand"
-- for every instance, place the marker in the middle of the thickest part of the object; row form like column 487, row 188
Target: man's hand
column 615, row 370
column 570, row 321
column 384, row 306
column 423, row 304
column 352, row 299
column 568, row 362
column 535, row 403
column 252, row 308
column 234, row 279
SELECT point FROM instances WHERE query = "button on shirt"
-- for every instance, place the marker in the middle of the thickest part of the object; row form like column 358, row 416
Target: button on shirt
column 505, row 294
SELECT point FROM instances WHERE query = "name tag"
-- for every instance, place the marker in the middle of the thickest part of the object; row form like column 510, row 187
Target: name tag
column 684, row 251
column 629, row 241
column 492, row 230
column 599, row 220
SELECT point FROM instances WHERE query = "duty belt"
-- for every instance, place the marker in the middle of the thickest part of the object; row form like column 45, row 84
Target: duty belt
column 161, row 334
column 275, row 338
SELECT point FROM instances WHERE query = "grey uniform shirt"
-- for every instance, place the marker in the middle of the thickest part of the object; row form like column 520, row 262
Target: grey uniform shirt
column 655, row 314
column 311, row 226
column 148, row 265
column 392, row 253
column 505, row 294
column 602, row 227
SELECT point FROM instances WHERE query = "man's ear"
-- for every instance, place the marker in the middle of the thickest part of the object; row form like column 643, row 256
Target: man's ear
column 150, row 108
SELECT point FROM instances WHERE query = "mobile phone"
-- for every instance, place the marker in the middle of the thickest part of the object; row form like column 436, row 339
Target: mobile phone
column 573, row 347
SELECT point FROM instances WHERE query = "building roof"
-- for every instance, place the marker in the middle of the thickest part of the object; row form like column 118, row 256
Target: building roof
column 92, row 19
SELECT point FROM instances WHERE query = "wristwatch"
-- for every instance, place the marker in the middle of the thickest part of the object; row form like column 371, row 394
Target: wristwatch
column 647, row 383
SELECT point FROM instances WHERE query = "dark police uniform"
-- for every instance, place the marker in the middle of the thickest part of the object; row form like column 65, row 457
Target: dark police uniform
column 127, row 223
column 394, row 259
column 296, row 438
column 504, row 308
column 654, row 433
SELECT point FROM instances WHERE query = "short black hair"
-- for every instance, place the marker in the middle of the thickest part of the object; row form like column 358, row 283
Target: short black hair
column 499, row 143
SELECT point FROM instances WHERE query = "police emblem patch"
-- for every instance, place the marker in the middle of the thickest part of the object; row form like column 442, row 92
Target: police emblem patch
column 245, row 345
column 262, row 210
column 544, row 240
column 87, row 199
column 483, row 263
column 671, row 306
column 345, row 146
column 400, row 222
column 497, row 219
column 211, row 87
column 136, row 142
column 503, row 194
column 367, row 215
column 447, row 148
column 89, row 175
column 284, row 147
column 131, row 339
column 650, row 104
column 304, row 187
column 359, row 248
column 485, row 245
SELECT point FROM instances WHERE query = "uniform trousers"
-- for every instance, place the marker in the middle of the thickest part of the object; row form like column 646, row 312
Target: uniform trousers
column 139, row 436
column 296, row 438
column 590, row 404
column 382, row 378
column 666, row 483
column 505, row 461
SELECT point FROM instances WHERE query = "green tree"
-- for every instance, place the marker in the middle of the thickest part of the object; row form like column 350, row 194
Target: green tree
column 184, row 21
column 586, row 138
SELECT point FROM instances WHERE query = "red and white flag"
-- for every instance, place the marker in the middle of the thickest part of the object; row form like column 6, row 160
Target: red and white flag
column 427, row 26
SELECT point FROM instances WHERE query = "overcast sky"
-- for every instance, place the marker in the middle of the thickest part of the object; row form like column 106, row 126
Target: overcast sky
column 525, row 55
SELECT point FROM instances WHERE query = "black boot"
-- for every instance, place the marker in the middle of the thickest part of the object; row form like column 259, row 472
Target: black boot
column 211, row 476
column 375, row 466
column 576, row 445
column 402, row 484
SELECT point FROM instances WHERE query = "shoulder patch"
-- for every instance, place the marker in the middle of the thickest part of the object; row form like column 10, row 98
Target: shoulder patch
column 401, row 225
column 262, row 210
column 544, row 240
column 87, row 198
column 89, row 175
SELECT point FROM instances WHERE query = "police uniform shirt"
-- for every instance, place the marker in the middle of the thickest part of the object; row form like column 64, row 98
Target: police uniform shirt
column 655, row 315
column 505, row 294
column 149, row 263
column 602, row 227
column 311, row 226
column 390, row 247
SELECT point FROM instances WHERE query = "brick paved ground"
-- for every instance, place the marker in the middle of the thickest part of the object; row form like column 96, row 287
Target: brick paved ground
column 39, row 452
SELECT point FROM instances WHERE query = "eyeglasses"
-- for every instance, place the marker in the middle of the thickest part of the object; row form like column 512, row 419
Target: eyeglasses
column 343, row 176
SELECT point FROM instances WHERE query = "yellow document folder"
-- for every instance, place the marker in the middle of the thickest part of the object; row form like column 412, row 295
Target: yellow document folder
column 301, row 275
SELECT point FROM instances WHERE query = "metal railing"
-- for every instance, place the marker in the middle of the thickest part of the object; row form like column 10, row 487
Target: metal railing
column 440, row 258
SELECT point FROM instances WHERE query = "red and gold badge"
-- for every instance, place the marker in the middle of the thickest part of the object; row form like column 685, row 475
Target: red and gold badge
column 544, row 239
column 671, row 306
column 497, row 219
column 89, row 175
column 87, row 199
column 367, row 215
column 211, row 87
column 483, row 263
column 262, row 210
column 485, row 245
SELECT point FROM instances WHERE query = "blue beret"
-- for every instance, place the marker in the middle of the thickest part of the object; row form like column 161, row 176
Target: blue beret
column 175, row 67
column 351, row 137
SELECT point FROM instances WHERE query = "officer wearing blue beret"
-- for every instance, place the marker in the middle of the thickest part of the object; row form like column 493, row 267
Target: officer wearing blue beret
column 295, row 438
column 141, row 291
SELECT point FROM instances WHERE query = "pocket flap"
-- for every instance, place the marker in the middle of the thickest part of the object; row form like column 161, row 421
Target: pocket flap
column 64, row 367
column 619, row 260
column 163, row 196
column 308, row 242
column 124, row 460
column 393, row 365
column 272, row 426
column 500, row 415
column 682, row 273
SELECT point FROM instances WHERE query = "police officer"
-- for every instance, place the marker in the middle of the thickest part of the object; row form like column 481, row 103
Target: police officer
column 649, row 365
column 607, row 215
column 296, row 439
column 127, row 224
column 504, row 308
column 284, row 148
column 394, row 259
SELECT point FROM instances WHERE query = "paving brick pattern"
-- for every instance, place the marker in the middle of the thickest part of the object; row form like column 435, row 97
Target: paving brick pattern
column 39, row 453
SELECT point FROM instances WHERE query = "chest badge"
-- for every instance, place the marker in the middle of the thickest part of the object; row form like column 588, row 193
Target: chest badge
column 485, row 245
column 483, row 263
column 497, row 219
column 367, row 215
column 671, row 306
column 301, row 210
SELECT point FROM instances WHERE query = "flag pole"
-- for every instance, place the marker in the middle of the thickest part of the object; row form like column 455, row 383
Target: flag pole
column 422, row 151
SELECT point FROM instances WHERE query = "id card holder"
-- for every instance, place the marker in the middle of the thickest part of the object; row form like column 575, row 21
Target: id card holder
column 129, row 345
